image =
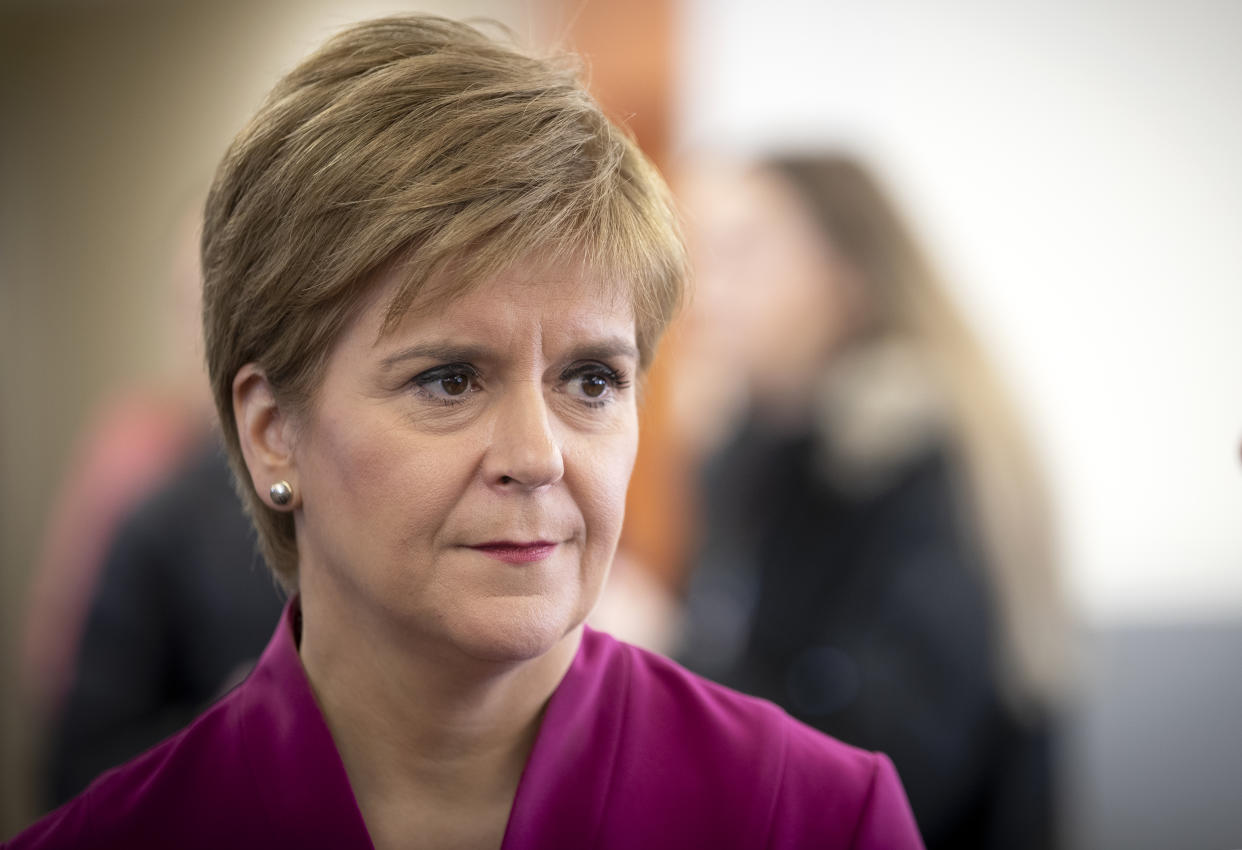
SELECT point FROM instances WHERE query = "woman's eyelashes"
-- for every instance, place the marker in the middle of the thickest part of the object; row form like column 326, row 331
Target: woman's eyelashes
column 449, row 384
column 591, row 384
column 594, row 384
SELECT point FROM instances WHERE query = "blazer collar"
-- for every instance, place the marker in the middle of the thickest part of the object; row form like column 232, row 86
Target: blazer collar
column 298, row 774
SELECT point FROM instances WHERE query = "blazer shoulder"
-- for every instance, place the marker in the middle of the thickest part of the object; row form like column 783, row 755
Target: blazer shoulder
column 176, row 788
column 783, row 780
column 829, row 787
column 742, row 725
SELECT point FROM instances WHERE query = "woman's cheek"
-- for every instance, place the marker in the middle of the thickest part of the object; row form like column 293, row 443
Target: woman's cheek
column 609, row 474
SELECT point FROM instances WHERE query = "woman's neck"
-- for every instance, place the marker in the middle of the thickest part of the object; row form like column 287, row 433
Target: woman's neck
column 434, row 742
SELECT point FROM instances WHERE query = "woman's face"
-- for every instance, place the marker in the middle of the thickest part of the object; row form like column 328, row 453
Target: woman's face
column 464, row 474
column 781, row 299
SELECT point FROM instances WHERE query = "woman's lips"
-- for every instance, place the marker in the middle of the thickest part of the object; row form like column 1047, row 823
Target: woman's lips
column 516, row 553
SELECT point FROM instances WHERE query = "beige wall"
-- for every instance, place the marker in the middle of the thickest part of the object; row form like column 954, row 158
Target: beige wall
column 112, row 117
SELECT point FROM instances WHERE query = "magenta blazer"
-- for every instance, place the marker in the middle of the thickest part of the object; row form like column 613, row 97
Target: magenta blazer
column 634, row 752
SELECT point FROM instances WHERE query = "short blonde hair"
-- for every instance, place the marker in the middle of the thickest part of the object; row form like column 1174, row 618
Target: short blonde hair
column 423, row 144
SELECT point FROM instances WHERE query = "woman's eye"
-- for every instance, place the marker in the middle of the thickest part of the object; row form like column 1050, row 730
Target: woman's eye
column 594, row 384
column 455, row 385
column 447, row 384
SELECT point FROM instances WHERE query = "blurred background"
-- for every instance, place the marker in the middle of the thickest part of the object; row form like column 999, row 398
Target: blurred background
column 1072, row 169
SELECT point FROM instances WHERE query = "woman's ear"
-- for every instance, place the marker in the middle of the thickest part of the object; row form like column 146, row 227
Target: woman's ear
column 266, row 436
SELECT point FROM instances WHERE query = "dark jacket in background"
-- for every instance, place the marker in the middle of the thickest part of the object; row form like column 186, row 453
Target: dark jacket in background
column 864, row 612
column 183, row 607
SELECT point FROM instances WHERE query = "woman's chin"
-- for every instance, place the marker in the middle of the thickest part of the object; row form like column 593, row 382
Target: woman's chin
column 511, row 630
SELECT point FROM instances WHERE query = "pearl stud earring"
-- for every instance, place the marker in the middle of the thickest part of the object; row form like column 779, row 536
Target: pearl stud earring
column 281, row 493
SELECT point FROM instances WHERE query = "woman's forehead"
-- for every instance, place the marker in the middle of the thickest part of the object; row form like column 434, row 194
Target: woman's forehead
column 570, row 297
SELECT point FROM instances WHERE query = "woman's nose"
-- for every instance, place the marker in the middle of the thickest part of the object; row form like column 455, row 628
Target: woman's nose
column 524, row 453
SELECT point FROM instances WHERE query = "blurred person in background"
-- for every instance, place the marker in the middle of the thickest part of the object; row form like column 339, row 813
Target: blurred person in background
column 876, row 554
column 138, row 436
column 182, row 609
column 150, row 599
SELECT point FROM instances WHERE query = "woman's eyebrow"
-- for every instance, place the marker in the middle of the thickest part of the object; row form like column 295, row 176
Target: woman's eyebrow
column 444, row 352
column 605, row 349
column 451, row 352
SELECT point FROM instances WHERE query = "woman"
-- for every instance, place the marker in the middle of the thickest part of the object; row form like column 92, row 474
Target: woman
column 876, row 557
column 434, row 275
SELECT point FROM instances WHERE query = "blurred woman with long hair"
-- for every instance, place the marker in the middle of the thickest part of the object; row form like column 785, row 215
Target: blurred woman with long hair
column 876, row 550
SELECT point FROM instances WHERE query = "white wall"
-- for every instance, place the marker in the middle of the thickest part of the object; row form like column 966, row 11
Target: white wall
column 1077, row 168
